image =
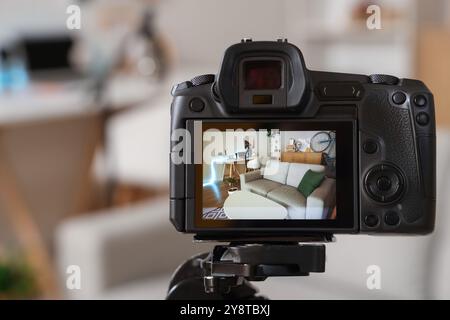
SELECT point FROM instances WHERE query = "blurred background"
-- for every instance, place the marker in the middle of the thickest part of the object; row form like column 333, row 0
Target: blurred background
column 84, row 132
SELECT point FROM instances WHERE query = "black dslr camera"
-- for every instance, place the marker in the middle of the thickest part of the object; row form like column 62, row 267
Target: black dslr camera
column 268, row 149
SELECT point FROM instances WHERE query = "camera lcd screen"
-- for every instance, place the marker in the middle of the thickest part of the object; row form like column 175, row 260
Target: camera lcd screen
column 266, row 175
column 262, row 75
column 258, row 171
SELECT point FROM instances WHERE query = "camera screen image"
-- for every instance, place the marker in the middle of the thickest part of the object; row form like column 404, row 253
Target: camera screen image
column 268, row 174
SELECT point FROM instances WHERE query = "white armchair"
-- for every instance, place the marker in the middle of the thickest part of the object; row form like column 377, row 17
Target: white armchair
column 131, row 253
column 126, row 253
column 254, row 164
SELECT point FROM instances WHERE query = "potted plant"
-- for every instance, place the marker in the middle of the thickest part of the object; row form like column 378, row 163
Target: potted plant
column 16, row 280
column 232, row 182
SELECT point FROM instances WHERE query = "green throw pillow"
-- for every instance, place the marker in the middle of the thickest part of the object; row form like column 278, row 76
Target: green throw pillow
column 310, row 181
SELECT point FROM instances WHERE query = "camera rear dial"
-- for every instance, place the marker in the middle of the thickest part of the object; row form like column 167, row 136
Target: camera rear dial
column 384, row 183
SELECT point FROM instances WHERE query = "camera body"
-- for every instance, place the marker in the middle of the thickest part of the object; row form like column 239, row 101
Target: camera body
column 376, row 172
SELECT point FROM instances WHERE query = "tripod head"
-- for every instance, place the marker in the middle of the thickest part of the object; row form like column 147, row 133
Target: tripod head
column 225, row 272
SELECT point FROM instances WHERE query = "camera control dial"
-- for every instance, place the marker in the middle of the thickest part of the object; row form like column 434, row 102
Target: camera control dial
column 384, row 183
column 203, row 79
column 383, row 79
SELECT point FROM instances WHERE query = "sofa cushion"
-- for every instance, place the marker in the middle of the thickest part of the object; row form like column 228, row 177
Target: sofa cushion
column 297, row 171
column 276, row 171
column 292, row 199
column 311, row 180
column 321, row 202
column 261, row 186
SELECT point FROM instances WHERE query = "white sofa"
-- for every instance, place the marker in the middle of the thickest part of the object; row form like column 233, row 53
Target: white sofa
column 279, row 181
column 130, row 253
column 118, row 249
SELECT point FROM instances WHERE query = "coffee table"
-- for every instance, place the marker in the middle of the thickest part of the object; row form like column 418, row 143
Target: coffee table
column 246, row 205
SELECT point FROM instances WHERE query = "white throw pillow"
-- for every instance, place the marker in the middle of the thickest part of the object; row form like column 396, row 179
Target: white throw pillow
column 298, row 170
column 276, row 171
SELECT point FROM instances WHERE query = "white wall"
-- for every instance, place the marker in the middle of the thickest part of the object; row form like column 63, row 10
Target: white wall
column 28, row 16
column 286, row 135
column 203, row 29
column 200, row 30
column 234, row 141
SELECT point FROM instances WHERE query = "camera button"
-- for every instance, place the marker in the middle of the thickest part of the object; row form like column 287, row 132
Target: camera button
column 384, row 183
column 420, row 101
column 370, row 146
column 391, row 218
column 339, row 91
column 196, row 105
column 399, row 98
column 422, row 118
column 371, row 220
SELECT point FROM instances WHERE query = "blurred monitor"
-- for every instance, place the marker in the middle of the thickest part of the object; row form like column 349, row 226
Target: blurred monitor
column 48, row 57
column 47, row 53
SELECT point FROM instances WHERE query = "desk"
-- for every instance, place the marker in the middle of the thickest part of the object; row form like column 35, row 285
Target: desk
column 49, row 135
column 232, row 163
column 47, row 142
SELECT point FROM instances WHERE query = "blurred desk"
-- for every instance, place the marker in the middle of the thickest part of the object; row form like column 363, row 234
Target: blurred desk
column 233, row 162
column 46, row 144
column 49, row 134
column 46, row 101
column 43, row 102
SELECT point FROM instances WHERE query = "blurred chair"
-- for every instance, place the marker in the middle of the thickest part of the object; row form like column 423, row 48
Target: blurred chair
column 254, row 164
column 50, row 161
column 45, row 167
column 124, row 253
column 259, row 162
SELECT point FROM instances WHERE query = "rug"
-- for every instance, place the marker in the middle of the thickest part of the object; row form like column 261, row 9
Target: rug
column 214, row 214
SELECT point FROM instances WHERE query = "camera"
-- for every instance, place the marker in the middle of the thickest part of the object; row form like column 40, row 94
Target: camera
column 267, row 149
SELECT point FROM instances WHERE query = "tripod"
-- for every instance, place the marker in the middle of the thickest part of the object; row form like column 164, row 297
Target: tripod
column 226, row 272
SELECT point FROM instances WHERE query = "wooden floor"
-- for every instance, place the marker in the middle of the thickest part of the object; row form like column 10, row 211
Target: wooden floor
column 215, row 194
column 238, row 169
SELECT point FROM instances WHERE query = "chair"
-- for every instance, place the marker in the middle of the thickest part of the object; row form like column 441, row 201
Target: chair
column 254, row 164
